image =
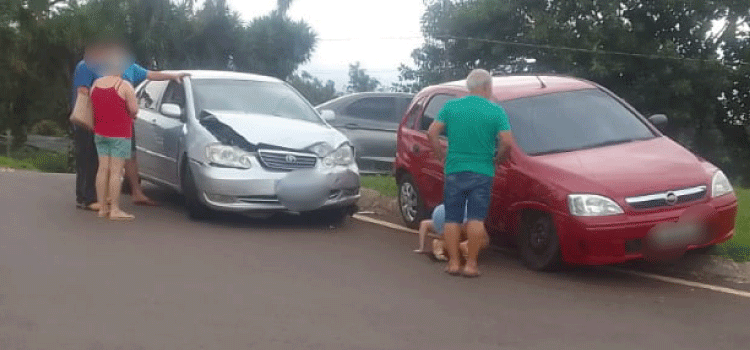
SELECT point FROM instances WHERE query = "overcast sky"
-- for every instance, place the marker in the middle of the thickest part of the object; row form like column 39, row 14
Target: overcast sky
column 366, row 21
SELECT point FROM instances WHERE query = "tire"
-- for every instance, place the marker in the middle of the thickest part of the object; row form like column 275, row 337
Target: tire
column 538, row 242
column 196, row 209
column 410, row 203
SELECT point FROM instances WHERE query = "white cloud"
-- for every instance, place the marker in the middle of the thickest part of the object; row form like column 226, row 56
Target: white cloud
column 368, row 23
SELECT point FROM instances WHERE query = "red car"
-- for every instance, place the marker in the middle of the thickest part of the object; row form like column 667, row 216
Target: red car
column 589, row 181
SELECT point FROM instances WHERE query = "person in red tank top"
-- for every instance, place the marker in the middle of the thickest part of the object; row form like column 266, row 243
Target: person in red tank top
column 115, row 107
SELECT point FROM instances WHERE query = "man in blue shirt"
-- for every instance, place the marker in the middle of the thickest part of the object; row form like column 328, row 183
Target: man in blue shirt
column 86, row 158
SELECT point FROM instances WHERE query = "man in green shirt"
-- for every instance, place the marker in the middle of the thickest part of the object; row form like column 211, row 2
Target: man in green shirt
column 476, row 129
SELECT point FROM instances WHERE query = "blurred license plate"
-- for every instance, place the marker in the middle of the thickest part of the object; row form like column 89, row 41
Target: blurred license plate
column 673, row 236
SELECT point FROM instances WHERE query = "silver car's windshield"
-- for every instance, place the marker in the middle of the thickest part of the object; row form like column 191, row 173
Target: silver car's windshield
column 252, row 97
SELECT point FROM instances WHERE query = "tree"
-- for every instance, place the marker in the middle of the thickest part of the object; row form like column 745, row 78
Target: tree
column 360, row 81
column 313, row 88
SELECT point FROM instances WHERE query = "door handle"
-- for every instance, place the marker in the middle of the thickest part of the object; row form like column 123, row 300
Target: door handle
column 351, row 126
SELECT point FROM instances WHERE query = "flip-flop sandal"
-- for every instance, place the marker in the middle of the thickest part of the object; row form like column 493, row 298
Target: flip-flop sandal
column 122, row 218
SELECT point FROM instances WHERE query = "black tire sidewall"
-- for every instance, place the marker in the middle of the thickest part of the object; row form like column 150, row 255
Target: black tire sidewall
column 196, row 209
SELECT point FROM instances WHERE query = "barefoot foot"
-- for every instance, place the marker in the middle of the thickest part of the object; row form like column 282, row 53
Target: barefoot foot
column 119, row 215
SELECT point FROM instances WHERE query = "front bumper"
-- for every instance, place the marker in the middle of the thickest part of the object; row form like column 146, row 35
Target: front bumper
column 612, row 240
column 255, row 189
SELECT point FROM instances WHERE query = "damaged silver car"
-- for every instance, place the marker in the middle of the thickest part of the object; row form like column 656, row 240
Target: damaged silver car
column 243, row 143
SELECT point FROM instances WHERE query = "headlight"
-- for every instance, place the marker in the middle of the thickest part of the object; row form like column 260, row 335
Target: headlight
column 720, row 185
column 344, row 155
column 592, row 205
column 228, row 156
column 321, row 149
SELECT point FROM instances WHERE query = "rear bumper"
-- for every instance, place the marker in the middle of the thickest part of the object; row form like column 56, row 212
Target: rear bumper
column 604, row 241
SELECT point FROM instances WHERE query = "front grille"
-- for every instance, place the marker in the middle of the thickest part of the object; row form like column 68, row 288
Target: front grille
column 287, row 161
column 668, row 198
column 259, row 199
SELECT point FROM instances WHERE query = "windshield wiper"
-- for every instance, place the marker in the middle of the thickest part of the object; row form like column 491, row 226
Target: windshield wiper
column 614, row 142
column 596, row 145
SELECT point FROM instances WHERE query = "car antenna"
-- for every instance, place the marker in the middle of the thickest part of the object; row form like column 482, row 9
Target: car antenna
column 544, row 86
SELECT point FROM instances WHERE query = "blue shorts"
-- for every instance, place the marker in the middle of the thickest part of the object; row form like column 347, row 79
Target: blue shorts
column 115, row 147
column 467, row 193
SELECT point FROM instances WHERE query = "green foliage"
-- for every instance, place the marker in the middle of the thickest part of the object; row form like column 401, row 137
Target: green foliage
column 43, row 40
column 739, row 247
column 677, row 64
column 313, row 88
column 47, row 128
column 360, row 81
column 15, row 164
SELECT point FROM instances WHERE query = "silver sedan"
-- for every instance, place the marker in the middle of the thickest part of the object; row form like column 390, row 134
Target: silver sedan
column 243, row 143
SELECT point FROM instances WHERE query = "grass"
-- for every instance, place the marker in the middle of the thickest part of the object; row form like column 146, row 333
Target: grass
column 31, row 158
column 386, row 185
column 739, row 247
column 15, row 164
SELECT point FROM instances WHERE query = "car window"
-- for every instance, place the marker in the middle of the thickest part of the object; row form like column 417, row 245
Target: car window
column 432, row 110
column 175, row 94
column 413, row 114
column 252, row 97
column 149, row 95
column 575, row 120
column 374, row 108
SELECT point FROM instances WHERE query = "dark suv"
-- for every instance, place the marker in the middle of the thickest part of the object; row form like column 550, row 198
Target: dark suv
column 370, row 120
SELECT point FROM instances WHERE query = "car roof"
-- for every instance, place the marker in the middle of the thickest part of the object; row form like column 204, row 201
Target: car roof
column 518, row 86
column 356, row 95
column 215, row 74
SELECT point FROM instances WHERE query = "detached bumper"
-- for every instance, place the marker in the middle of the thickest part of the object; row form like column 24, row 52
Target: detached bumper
column 605, row 241
column 256, row 189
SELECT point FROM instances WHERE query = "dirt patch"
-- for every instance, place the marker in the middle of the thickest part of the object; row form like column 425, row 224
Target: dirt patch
column 373, row 203
column 693, row 266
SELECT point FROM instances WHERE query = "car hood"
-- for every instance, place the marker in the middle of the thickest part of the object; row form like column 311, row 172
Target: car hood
column 278, row 131
column 630, row 169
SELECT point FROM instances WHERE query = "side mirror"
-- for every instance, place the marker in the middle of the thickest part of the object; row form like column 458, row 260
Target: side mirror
column 171, row 110
column 328, row 115
column 659, row 120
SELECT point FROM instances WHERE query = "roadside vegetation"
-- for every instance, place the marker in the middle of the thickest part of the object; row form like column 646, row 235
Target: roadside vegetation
column 739, row 247
column 385, row 185
column 31, row 158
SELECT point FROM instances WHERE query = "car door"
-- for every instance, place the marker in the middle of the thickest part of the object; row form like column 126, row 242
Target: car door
column 430, row 171
column 145, row 129
column 371, row 124
column 169, row 132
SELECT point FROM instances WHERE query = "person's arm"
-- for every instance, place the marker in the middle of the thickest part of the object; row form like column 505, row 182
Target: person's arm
column 129, row 95
column 160, row 76
column 433, row 134
column 424, row 227
column 504, row 143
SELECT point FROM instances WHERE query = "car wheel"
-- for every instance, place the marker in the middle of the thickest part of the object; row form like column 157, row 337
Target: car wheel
column 196, row 209
column 539, row 243
column 410, row 202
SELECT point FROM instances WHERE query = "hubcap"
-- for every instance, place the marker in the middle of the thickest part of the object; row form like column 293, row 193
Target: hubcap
column 409, row 201
column 540, row 235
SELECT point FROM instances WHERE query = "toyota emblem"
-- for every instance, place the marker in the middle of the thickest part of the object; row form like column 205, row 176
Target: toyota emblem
column 291, row 159
column 671, row 198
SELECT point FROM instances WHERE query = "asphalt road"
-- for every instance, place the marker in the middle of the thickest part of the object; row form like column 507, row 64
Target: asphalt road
column 71, row 281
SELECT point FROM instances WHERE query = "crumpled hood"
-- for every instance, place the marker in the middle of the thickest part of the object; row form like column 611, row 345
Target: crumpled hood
column 629, row 169
column 278, row 131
